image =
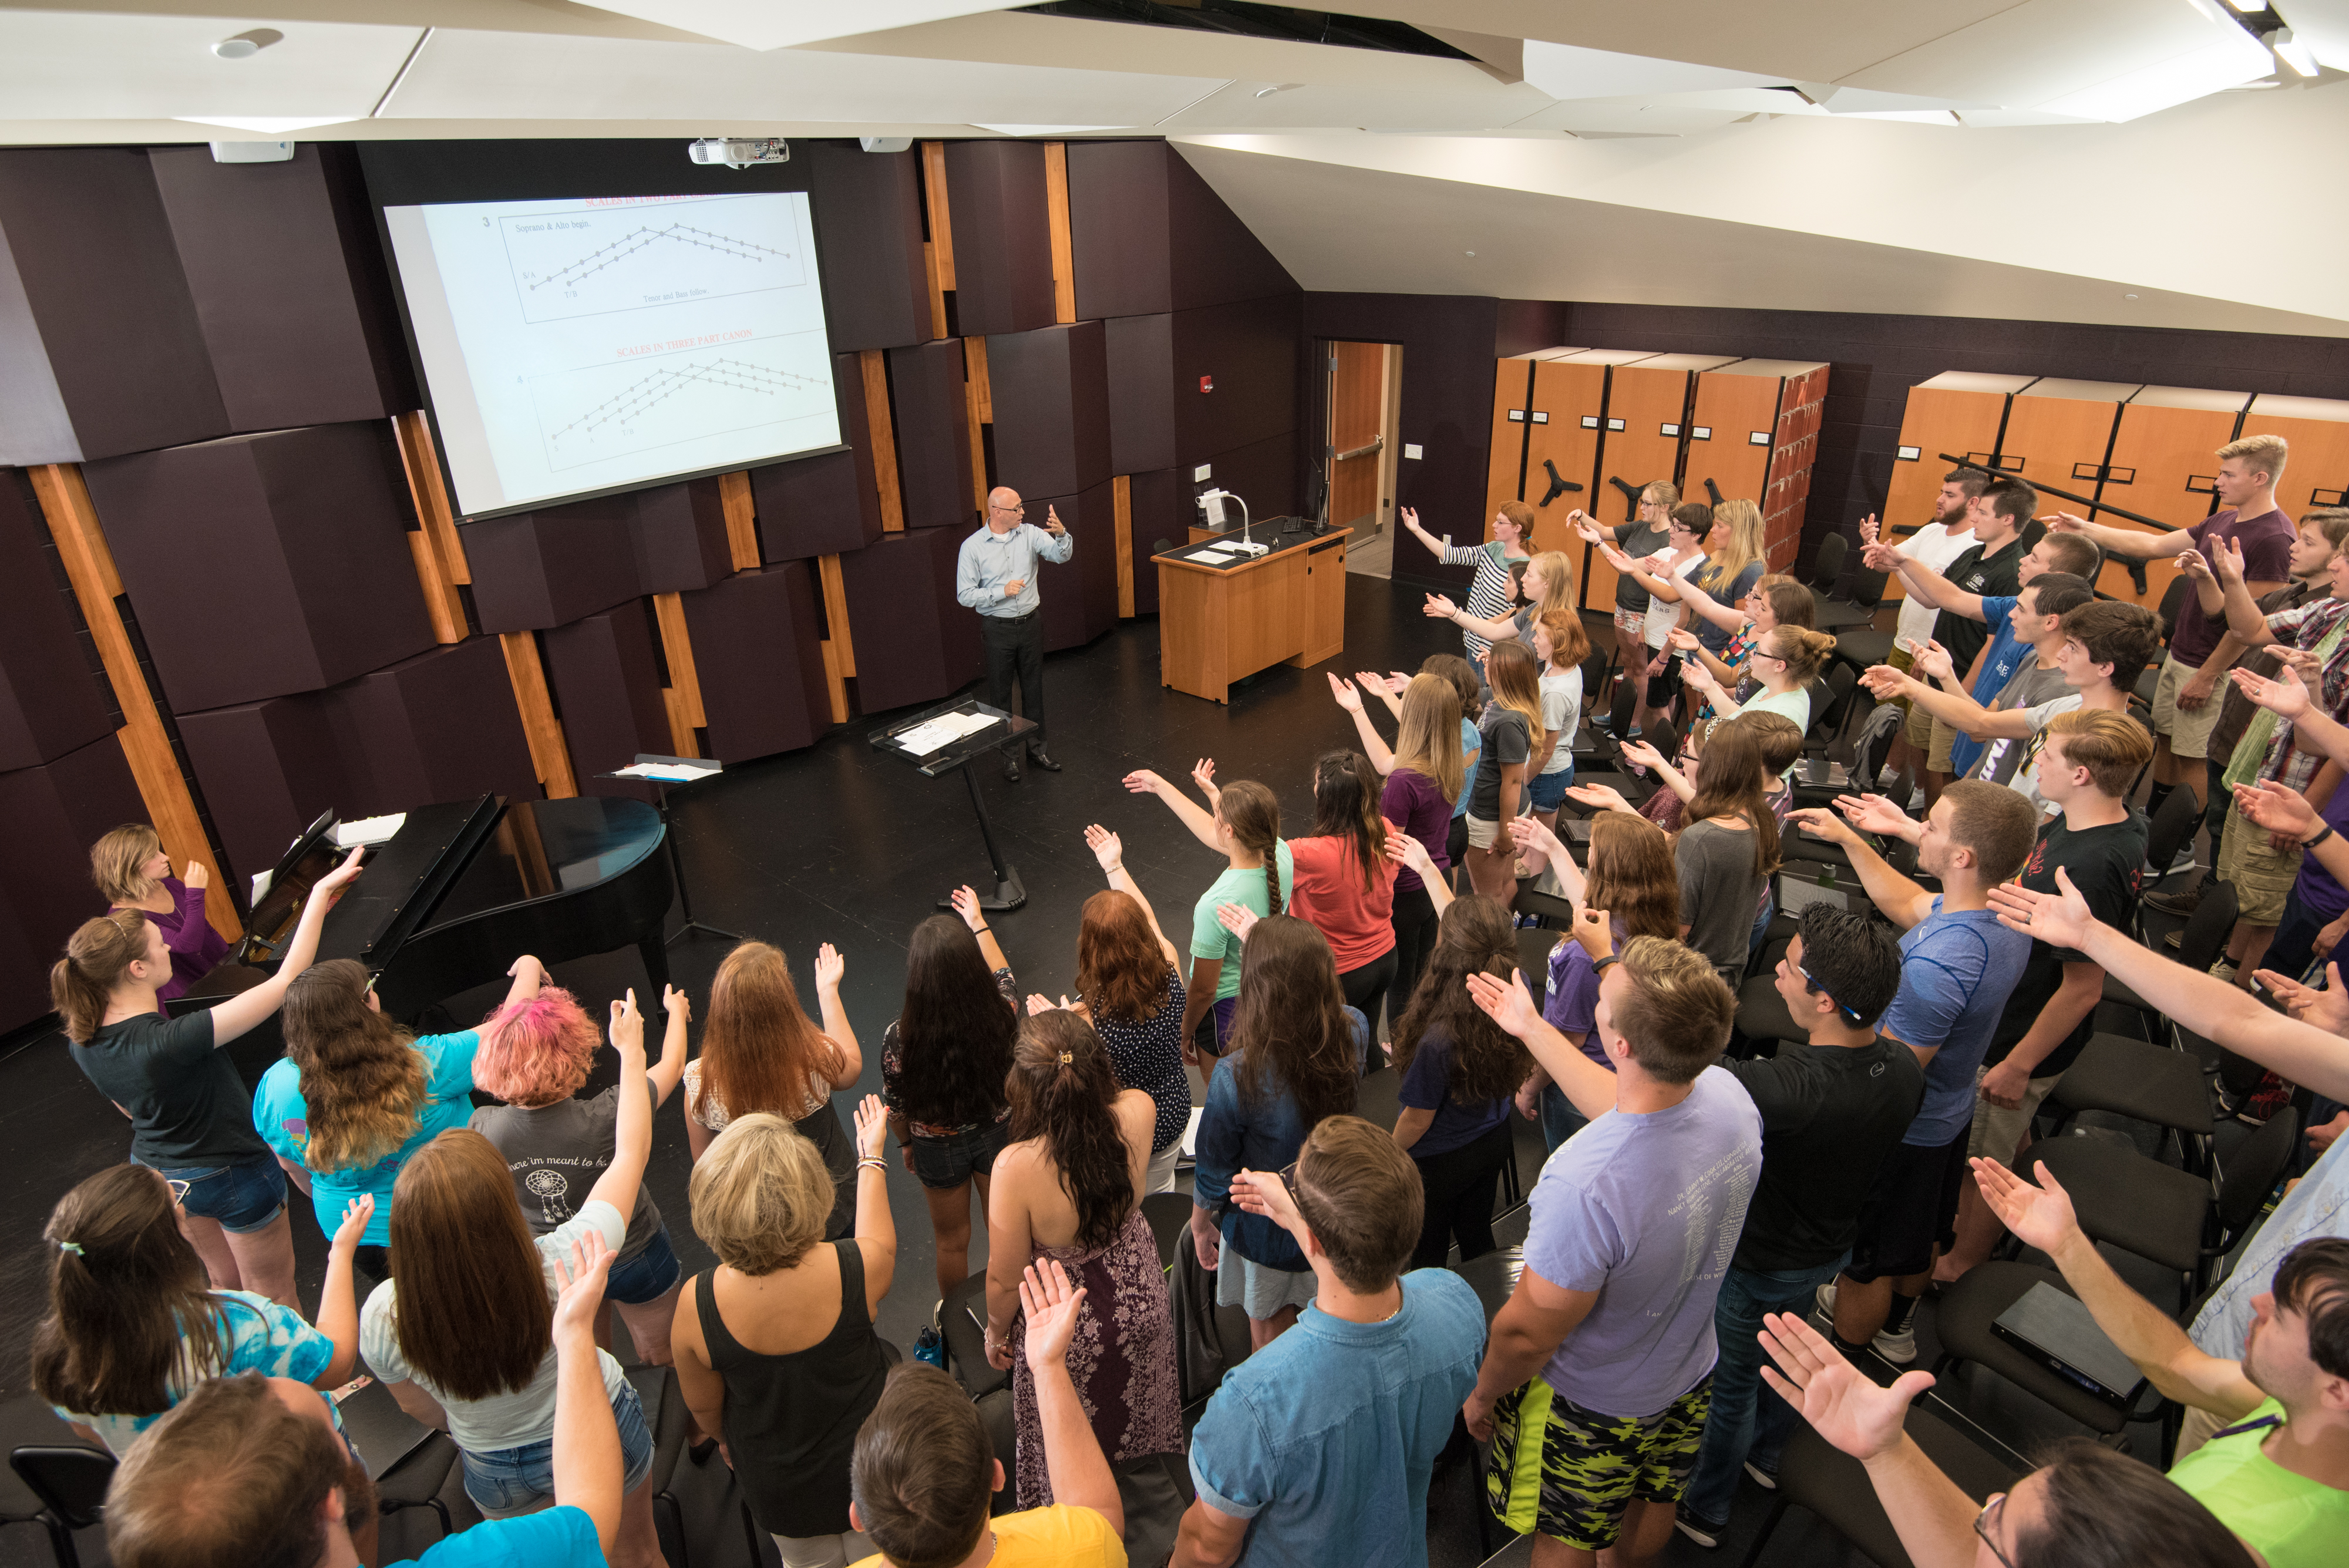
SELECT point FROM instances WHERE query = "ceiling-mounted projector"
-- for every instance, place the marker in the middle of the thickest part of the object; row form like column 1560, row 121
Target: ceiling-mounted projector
column 739, row 152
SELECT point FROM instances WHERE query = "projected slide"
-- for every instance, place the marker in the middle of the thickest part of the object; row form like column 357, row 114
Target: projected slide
column 585, row 345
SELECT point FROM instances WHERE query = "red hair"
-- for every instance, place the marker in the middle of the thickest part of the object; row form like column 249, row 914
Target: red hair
column 538, row 1051
column 1120, row 968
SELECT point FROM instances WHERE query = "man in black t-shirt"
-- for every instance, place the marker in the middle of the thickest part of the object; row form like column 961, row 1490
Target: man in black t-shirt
column 2091, row 757
column 1832, row 1110
column 1990, row 567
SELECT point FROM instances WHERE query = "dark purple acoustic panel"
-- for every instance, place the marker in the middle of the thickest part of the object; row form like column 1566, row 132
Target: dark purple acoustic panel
column 813, row 506
column 264, row 564
column 1251, row 352
column 933, row 421
column 267, row 768
column 1080, row 593
column 1050, row 392
column 1148, row 236
column 291, row 292
column 914, row 643
column 1262, row 474
column 680, row 537
column 1002, row 236
column 50, row 701
column 756, row 651
column 54, row 813
column 538, row 570
column 868, row 227
column 440, row 726
column 1159, row 506
column 105, row 354
column 1140, row 355
column 1215, row 257
column 607, row 685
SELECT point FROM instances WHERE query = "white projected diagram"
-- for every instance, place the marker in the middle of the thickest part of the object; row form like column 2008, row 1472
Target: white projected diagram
column 613, row 410
column 590, row 262
column 576, row 347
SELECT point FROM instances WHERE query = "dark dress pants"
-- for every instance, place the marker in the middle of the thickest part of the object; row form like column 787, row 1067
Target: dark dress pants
column 1015, row 646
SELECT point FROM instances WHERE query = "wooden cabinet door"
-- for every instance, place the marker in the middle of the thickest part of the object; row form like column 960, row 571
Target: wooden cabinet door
column 1504, row 470
column 2317, row 472
column 2163, row 457
column 1320, row 601
column 1567, row 393
column 1732, row 406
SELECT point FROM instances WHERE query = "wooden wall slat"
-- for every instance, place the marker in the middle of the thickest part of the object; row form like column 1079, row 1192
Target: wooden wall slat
column 839, row 648
column 937, row 251
column 422, row 461
column 977, row 393
column 550, row 753
column 1056, row 215
column 1121, row 498
column 682, row 695
column 89, row 565
column 441, row 600
column 883, row 434
column 741, row 520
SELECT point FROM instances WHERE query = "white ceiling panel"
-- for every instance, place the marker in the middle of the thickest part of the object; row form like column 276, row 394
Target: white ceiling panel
column 1474, row 102
column 2322, row 24
column 1565, row 71
column 89, row 66
column 778, row 23
column 1633, row 116
column 522, row 76
column 2042, row 50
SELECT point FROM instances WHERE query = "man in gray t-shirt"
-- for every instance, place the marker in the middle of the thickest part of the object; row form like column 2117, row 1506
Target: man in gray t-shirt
column 2030, row 687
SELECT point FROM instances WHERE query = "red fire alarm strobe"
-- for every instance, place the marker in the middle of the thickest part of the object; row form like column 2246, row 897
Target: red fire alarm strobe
column 1206, row 383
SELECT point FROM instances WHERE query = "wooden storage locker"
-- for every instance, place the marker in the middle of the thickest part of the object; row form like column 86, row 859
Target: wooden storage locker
column 1570, row 405
column 2160, row 466
column 2317, row 472
column 1956, row 412
column 2060, row 433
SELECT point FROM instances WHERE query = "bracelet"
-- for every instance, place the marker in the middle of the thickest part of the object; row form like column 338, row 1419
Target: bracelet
column 2313, row 843
column 974, row 930
column 1601, row 966
column 874, row 1162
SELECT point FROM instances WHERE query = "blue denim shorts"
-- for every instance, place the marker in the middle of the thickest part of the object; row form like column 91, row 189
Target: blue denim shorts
column 647, row 1276
column 1548, row 791
column 946, row 1163
column 506, row 1481
column 243, row 1198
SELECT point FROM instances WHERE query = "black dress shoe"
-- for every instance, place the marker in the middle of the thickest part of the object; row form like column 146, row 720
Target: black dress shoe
column 1011, row 768
column 1036, row 755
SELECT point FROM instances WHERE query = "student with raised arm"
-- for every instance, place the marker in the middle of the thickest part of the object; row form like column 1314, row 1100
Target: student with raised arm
column 1130, row 986
column 2278, row 1473
column 1489, row 592
column 1241, row 822
column 1640, row 538
column 1957, row 966
column 2308, row 1048
column 1783, row 663
column 1660, row 576
column 924, row 1472
column 190, row 1113
column 1775, row 602
column 2086, row 1504
column 2184, row 704
column 252, row 1470
column 1424, row 776
column 2315, row 915
column 1940, row 542
column 1510, row 728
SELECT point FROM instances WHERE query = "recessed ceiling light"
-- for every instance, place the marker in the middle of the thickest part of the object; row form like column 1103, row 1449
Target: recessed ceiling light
column 247, row 44
column 1469, row 253
column 2129, row 297
column 1278, row 87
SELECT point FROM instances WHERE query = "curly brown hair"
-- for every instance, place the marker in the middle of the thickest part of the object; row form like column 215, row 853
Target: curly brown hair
column 1476, row 937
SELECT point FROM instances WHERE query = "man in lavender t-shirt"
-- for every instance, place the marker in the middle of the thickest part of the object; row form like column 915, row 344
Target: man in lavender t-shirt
column 2186, row 703
column 1598, row 1375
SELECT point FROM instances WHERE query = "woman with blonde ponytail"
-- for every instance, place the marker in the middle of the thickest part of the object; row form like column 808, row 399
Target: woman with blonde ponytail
column 1069, row 1188
column 190, row 1114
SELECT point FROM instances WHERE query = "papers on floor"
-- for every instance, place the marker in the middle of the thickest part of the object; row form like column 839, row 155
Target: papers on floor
column 946, row 728
column 367, row 830
column 667, row 773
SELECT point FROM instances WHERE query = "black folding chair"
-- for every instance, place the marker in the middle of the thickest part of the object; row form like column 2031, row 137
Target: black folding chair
column 70, row 1482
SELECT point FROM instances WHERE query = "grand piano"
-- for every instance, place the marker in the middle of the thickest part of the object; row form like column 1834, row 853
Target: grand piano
column 465, row 888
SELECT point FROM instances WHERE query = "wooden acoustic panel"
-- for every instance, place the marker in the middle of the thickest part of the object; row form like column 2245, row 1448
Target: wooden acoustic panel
column 608, row 684
column 2317, row 472
column 290, row 287
column 544, row 569
column 1050, row 392
column 906, row 583
column 757, row 651
column 932, row 424
column 107, row 354
column 1002, row 236
column 51, row 701
column 264, row 564
column 814, row 506
column 55, row 811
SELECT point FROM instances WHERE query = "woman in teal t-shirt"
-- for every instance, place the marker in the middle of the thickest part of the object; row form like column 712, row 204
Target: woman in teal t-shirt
column 354, row 1096
column 1242, row 823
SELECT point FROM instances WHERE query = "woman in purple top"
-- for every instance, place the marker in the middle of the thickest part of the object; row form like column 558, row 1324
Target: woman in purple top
column 131, row 869
column 1424, row 776
column 1634, row 879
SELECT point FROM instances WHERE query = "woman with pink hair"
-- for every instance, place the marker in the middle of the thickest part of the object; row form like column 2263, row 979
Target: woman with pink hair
column 535, row 1054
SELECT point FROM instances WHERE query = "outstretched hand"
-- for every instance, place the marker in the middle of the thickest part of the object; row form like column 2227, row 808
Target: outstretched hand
column 1237, row 919
column 356, row 1213
column 1345, row 693
column 2280, row 808
column 2039, row 1216
column 2285, row 696
column 1506, row 1002
column 965, row 905
column 2061, row 918
column 1051, row 1306
column 829, row 967
column 1439, row 607
column 1599, row 797
column 1932, row 660
column 627, row 1027
column 1824, row 824
column 1107, row 848
column 1841, row 1404
column 1873, row 814
column 2327, row 1010
column 582, row 1278
column 872, row 1126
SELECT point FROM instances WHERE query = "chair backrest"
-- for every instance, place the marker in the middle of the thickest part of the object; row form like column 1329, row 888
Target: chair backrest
column 70, row 1480
column 1826, row 567
column 2172, row 826
column 1168, row 1215
column 2256, row 1166
column 2206, row 931
column 1627, row 698
column 1867, row 587
column 1831, row 702
column 1493, row 1276
column 2173, row 600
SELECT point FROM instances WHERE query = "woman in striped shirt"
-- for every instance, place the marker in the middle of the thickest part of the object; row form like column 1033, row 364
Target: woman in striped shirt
column 1489, row 594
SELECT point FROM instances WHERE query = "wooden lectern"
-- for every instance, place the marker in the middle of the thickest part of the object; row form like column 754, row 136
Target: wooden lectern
column 1219, row 621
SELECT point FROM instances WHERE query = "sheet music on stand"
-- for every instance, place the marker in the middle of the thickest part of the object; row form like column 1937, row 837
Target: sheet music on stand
column 944, row 740
column 929, row 736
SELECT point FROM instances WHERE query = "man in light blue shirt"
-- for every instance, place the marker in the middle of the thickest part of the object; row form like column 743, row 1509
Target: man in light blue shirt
column 996, row 576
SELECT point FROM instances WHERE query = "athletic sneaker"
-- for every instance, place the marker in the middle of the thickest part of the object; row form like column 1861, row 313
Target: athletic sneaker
column 1760, row 1477
column 1704, row 1534
column 2223, row 967
column 1900, row 1348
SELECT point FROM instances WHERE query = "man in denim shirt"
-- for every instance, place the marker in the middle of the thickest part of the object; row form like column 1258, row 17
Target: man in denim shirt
column 1318, row 1449
column 994, row 573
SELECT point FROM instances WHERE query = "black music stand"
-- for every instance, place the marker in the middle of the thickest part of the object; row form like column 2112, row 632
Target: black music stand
column 956, row 755
column 668, row 833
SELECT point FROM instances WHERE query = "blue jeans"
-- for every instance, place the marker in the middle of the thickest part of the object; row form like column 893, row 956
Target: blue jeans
column 1548, row 791
column 647, row 1276
column 1748, row 1421
column 1762, row 925
column 243, row 1198
column 506, row 1481
column 1559, row 1119
column 2292, row 949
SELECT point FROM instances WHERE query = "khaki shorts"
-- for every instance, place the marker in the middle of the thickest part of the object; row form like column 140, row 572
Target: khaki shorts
column 1998, row 1131
column 1483, row 831
column 1937, row 755
column 2186, row 729
column 2262, row 875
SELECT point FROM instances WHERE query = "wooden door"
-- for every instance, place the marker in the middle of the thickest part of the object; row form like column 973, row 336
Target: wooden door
column 1357, row 406
column 1570, row 406
column 1504, row 471
column 2163, row 457
column 2317, row 472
